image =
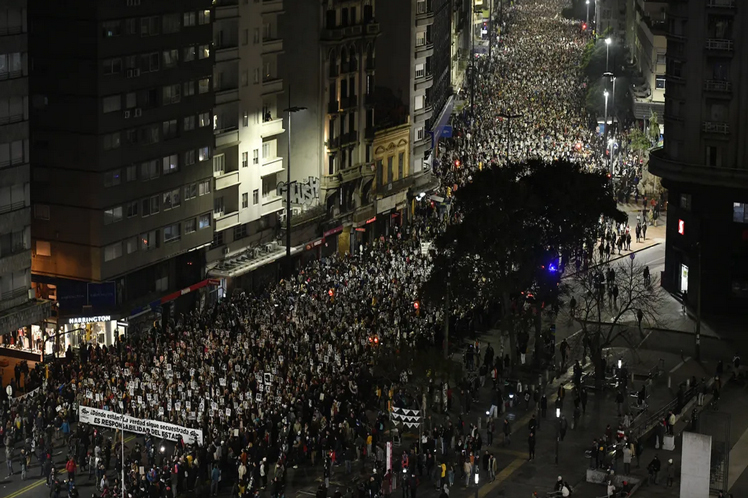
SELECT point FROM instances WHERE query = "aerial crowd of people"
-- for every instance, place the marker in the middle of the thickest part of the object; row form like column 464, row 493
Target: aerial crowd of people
column 286, row 378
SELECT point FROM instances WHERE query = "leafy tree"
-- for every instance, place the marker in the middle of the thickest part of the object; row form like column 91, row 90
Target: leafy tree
column 516, row 221
column 654, row 128
column 640, row 142
column 606, row 323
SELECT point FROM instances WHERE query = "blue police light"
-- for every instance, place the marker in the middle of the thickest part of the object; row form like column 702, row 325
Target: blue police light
column 552, row 268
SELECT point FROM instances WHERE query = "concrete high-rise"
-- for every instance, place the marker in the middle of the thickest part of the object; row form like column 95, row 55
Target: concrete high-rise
column 122, row 141
column 703, row 162
column 18, row 309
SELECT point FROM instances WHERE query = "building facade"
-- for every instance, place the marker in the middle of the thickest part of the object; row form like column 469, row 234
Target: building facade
column 650, row 47
column 122, row 143
column 335, row 46
column 248, row 120
column 417, row 36
column 703, row 162
column 18, row 308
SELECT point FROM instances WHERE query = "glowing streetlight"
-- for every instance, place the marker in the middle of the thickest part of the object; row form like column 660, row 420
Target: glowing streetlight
column 608, row 41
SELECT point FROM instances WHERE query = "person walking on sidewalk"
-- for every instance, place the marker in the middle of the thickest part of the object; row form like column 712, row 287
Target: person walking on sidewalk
column 644, row 231
column 627, row 460
column 531, row 446
column 507, row 432
column 670, row 473
column 654, row 468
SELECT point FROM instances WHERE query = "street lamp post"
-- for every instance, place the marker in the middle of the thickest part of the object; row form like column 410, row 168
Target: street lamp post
column 608, row 41
column 605, row 93
column 558, row 430
column 588, row 12
column 613, row 78
column 509, row 117
column 697, row 352
column 290, row 110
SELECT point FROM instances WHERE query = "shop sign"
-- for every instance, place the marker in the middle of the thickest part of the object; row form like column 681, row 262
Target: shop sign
column 360, row 229
column 333, row 231
column 371, row 220
column 89, row 319
column 681, row 227
column 314, row 244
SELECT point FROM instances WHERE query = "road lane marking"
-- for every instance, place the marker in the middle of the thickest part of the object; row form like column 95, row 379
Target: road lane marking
column 676, row 367
column 738, row 460
column 502, row 476
column 38, row 483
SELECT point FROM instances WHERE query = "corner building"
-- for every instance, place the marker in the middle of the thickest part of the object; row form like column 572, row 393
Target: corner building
column 20, row 313
column 704, row 162
column 122, row 138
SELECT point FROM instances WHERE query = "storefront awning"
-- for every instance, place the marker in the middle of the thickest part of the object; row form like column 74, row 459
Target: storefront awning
column 154, row 305
column 438, row 129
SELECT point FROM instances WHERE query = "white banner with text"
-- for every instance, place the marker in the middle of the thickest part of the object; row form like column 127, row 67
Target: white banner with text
column 104, row 418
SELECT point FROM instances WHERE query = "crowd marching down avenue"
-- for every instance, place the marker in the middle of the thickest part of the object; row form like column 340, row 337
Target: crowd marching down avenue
column 284, row 378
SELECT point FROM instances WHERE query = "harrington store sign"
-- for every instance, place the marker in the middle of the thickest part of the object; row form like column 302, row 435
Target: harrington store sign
column 104, row 418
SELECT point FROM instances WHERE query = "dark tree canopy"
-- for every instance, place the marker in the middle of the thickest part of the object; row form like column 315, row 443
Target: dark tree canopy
column 517, row 219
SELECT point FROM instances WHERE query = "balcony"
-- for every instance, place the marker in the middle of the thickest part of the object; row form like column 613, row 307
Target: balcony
column 348, row 103
column 13, row 206
column 372, row 29
column 272, row 128
column 227, row 180
column 272, row 7
column 717, row 128
column 424, row 82
column 271, row 204
column 227, row 95
column 721, row 4
column 227, row 220
column 333, row 107
column 424, row 113
column 271, row 86
column 333, row 143
column 424, row 18
column 14, row 118
column 332, row 34
column 21, row 258
column 11, row 30
column 426, row 50
column 718, row 86
column 720, row 45
column 226, row 10
column 349, row 138
column 11, row 75
column 271, row 165
column 272, row 46
column 227, row 137
column 353, row 31
column 227, row 54
column 665, row 167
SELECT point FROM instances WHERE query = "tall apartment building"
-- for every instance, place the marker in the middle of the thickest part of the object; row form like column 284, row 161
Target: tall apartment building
column 17, row 309
column 248, row 120
column 334, row 62
column 703, row 162
column 122, row 138
column 650, row 47
column 417, row 36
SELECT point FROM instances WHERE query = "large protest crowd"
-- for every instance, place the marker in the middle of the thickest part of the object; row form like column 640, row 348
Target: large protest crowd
column 284, row 378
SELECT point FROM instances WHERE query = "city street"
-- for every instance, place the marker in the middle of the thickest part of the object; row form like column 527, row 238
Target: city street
column 299, row 389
